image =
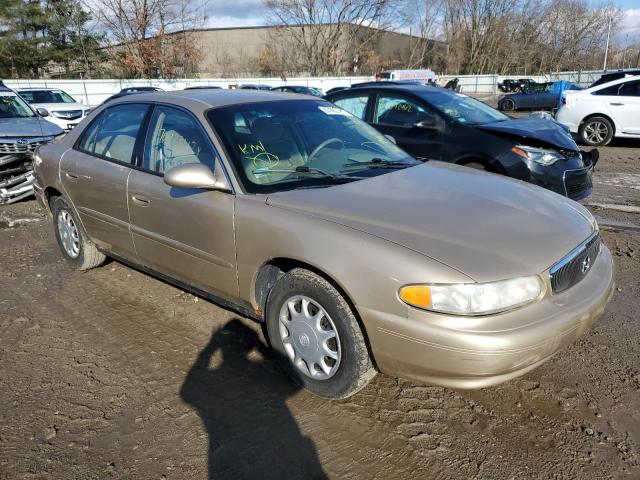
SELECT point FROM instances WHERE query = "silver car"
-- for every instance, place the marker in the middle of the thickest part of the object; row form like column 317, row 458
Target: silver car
column 358, row 258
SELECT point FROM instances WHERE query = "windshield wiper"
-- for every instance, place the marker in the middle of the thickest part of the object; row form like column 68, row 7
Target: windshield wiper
column 301, row 169
column 378, row 163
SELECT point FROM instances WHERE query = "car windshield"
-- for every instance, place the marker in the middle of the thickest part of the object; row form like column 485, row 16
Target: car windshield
column 282, row 145
column 463, row 109
column 47, row 96
column 12, row 106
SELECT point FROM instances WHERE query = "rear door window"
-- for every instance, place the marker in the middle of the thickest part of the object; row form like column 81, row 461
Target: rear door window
column 630, row 89
column 113, row 135
column 356, row 104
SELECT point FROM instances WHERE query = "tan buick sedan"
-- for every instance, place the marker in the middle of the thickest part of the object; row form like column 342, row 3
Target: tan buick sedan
column 358, row 258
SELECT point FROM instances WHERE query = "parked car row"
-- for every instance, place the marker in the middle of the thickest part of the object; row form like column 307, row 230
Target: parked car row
column 307, row 215
column 21, row 131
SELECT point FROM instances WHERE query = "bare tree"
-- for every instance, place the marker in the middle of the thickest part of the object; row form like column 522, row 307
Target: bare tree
column 326, row 36
column 152, row 36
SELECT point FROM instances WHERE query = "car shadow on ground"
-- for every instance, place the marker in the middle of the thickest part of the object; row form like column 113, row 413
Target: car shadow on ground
column 241, row 396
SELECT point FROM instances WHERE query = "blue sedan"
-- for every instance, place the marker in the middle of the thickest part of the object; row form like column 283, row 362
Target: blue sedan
column 543, row 99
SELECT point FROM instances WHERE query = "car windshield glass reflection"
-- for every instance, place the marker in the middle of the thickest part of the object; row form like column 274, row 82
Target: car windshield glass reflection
column 466, row 110
column 281, row 145
column 12, row 106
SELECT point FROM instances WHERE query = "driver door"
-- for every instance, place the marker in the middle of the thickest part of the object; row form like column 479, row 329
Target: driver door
column 187, row 234
column 396, row 115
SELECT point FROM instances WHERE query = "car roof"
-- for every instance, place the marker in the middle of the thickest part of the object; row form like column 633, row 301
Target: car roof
column 415, row 88
column 210, row 98
column 41, row 89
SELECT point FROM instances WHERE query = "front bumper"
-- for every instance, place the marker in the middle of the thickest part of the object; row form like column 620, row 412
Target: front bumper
column 570, row 178
column 476, row 352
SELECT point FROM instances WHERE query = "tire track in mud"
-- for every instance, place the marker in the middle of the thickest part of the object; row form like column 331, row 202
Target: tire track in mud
column 95, row 379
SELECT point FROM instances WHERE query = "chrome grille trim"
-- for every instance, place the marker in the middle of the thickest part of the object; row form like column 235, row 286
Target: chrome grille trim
column 19, row 145
column 569, row 270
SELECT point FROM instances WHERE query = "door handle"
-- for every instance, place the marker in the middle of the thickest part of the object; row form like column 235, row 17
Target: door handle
column 140, row 200
column 72, row 176
column 617, row 104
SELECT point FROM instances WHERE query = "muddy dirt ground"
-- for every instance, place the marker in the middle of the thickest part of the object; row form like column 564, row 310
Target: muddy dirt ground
column 114, row 374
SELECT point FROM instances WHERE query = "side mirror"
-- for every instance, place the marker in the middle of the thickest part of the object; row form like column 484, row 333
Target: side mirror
column 197, row 175
column 428, row 124
column 43, row 112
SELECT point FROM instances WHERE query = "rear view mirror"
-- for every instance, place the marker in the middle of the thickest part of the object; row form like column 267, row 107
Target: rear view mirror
column 197, row 175
column 43, row 112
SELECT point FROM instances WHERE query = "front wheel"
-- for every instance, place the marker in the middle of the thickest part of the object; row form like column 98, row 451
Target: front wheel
column 316, row 336
column 596, row 131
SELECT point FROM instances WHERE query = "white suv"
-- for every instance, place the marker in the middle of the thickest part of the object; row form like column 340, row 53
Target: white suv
column 55, row 105
column 602, row 112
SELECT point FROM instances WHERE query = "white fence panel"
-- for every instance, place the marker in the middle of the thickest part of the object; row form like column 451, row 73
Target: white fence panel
column 94, row 92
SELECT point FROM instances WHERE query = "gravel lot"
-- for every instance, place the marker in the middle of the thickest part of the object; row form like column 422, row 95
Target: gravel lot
column 113, row 374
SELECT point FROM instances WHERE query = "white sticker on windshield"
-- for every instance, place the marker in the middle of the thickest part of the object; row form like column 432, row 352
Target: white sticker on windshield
column 7, row 94
column 334, row 111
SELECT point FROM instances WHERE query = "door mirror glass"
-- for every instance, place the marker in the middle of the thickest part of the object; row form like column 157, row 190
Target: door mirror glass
column 429, row 123
column 43, row 112
column 196, row 175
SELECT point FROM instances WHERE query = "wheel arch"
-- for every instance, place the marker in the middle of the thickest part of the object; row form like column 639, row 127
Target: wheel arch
column 49, row 194
column 271, row 271
column 603, row 115
column 491, row 165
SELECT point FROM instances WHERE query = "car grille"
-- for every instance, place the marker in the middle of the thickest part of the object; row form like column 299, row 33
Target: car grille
column 576, row 182
column 575, row 266
column 14, row 147
column 68, row 114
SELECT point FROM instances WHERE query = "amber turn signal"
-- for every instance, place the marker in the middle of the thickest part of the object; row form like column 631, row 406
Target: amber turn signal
column 519, row 151
column 416, row 295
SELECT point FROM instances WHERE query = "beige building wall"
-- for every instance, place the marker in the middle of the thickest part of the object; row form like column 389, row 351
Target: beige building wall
column 235, row 51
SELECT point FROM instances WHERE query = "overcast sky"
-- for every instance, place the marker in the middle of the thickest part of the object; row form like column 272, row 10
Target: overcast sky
column 246, row 13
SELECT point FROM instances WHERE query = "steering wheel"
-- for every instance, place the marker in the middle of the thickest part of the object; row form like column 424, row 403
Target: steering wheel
column 324, row 144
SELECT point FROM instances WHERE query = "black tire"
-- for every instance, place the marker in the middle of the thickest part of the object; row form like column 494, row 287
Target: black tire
column 88, row 256
column 596, row 131
column 355, row 369
column 508, row 105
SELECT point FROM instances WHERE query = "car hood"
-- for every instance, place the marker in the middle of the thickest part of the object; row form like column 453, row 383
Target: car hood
column 484, row 225
column 27, row 127
column 540, row 131
column 59, row 107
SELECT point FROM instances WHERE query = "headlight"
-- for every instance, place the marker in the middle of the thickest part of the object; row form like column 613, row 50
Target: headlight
column 473, row 298
column 539, row 155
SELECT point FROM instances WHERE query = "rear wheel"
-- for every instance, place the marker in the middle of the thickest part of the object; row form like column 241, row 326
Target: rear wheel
column 316, row 336
column 596, row 131
column 77, row 249
column 508, row 105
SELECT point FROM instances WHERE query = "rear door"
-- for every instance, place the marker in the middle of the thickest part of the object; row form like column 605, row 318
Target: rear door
column 626, row 108
column 396, row 114
column 95, row 173
column 186, row 234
